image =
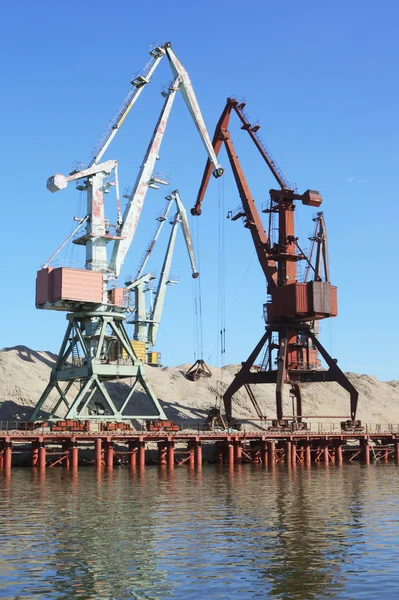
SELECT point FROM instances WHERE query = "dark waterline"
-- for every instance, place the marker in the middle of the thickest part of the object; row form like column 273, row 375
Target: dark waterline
column 239, row 532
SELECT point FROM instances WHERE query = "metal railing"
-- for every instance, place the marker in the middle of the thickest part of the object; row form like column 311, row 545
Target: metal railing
column 190, row 425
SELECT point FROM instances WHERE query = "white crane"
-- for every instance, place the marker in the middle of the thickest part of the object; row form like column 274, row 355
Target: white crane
column 95, row 321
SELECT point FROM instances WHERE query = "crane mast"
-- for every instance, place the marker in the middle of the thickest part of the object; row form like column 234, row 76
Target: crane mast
column 146, row 322
column 179, row 219
column 96, row 348
column 294, row 306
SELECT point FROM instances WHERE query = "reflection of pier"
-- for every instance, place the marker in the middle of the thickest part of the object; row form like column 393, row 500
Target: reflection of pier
column 51, row 449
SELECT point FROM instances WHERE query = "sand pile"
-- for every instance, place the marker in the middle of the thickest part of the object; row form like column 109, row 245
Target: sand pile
column 24, row 374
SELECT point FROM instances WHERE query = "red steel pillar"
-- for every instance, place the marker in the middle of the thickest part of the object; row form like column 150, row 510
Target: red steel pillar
column 162, row 459
column 271, row 452
column 287, row 458
column 308, row 453
column 198, row 453
column 109, row 453
column 66, row 448
column 230, row 453
column 42, row 455
column 338, row 453
column 191, row 460
column 293, row 454
column 238, row 452
column 98, row 456
column 7, row 455
column 396, row 451
column 171, row 453
column 365, row 454
column 141, row 453
column 264, row 453
column 34, row 454
column 325, row 452
column 74, row 455
column 1, row 455
column 132, row 454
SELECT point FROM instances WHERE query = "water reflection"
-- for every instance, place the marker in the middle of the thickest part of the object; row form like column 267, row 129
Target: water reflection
column 222, row 532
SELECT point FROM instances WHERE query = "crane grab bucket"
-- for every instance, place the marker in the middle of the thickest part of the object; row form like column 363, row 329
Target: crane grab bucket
column 197, row 370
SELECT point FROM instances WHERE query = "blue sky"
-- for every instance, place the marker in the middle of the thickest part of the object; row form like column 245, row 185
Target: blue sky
column 322, row 79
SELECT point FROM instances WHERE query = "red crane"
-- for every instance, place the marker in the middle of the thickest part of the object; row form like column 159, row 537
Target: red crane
column 293, row 306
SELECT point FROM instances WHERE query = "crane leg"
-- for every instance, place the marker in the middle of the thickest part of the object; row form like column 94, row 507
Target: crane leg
column 281, row 373
column 242, row 376
column 337, row 375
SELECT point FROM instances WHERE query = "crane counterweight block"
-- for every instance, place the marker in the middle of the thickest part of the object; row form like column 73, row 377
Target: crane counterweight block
column 57, row 182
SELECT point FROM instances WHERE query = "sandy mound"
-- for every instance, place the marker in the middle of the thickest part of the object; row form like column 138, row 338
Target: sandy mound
column 24, row 373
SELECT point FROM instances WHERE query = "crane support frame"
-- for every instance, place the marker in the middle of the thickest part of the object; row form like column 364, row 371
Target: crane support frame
column 86, row 358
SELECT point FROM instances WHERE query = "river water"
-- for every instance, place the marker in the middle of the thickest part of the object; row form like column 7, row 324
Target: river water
column 222, row 532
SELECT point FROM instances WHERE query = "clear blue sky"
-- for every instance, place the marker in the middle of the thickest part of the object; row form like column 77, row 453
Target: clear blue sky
column 321, row 76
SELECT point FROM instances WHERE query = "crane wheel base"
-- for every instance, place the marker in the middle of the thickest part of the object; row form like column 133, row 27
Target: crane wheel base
column 215, row 421
column 352, row 426
column 285, row 426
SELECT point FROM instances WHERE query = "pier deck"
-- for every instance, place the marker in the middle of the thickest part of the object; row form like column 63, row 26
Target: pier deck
column 48, row 449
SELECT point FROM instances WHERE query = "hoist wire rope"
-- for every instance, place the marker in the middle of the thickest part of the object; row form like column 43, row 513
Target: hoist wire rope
column 195, row 320
column 197, row 296
column 198, row 282
column 221, row 300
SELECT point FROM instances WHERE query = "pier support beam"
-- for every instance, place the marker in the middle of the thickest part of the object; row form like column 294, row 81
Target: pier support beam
column 42, row 456
column 338, row 452
column 198, row 453
column 66, row 448
column 109, row 454
column 7, row 455
column 141, row 453
column 293, row 454
column 271, row 451
column 264, row 454
column 132, row 454
column 74, row 455
column 1, row 455
column 162, row 453
column 325, row 452
column 365, row 448
column 98, row 452
column 191, row 460
column 287, row 456
column 171, row 453
column 308, row 453
column 34, row 454
column 396, row 451
column 230, row 453
column 237, row 452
